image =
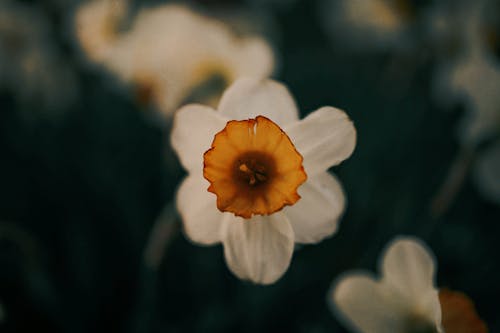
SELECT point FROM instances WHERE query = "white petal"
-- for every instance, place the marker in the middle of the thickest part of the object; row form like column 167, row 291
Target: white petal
column 408, row 267
column 315, row 216
column 250, row 97
column 325, row 138
column 96, row 26
column 429, row 308
column 256, row 58
column 365, row 306
column 193, row 132
column 201, row 220
column 258, row 249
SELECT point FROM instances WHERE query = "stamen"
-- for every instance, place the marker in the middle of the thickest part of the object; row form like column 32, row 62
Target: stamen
column 260, row 176
column 255, row 173
column 244, row 168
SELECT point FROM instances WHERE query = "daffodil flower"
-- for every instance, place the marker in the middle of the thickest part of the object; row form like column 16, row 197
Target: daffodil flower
column 171, row 54
column 474, row 81
column 471, row 78
column 405, row 298
column 258, row 180
column 473, row 74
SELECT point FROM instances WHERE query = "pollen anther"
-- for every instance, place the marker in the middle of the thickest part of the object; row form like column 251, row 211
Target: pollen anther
column 253, row 172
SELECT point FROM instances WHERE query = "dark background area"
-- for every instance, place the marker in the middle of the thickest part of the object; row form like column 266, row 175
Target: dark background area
column 80, row 192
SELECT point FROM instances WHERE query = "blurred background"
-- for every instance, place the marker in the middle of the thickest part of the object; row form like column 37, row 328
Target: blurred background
column 89, row 237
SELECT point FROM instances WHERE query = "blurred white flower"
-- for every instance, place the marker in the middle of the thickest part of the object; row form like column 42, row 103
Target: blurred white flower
column 32, row 68
column 474, row 81
column 170, row 54
column 253, row 154
column 368, row 24
column 470, row 75
column 405, row 298
column 97, row 27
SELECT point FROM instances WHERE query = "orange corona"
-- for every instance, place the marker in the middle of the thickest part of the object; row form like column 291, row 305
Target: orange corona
column 253, row 168
column 459, row 313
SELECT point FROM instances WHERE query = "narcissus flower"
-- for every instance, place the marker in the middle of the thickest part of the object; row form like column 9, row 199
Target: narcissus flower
column 171, row 54
column 258, row 180
column 405, row 298
column 471, row 77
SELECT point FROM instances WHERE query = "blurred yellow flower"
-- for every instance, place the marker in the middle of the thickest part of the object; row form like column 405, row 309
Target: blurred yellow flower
column 254, row 155
column 170, row 54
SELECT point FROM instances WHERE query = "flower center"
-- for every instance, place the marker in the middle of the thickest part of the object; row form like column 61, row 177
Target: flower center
column 253, row 168
column 255, row 174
